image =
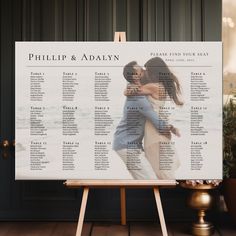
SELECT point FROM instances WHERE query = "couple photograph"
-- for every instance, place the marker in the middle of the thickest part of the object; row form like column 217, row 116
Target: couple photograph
column 143, row 137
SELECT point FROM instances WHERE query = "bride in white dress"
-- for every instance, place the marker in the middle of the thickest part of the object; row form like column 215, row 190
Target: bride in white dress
column 160, row 85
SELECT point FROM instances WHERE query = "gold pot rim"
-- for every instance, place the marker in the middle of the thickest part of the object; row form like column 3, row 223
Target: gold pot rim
column 198, row 186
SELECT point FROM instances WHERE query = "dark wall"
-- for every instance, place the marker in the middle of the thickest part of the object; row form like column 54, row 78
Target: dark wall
column 91, row 20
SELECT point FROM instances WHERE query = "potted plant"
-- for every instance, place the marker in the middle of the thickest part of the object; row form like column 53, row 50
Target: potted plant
column 229, row 156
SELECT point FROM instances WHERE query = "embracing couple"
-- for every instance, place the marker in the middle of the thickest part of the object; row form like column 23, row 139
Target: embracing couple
column 147, row 91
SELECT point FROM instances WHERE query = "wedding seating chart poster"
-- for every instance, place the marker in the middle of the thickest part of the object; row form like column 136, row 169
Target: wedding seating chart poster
column 108, row 110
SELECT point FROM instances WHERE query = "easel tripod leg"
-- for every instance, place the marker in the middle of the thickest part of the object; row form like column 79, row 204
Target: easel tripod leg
column 82, row 211
column 123, row 206
column 160, row 211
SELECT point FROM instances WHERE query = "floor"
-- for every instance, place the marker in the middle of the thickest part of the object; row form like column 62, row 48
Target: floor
column 101, row 229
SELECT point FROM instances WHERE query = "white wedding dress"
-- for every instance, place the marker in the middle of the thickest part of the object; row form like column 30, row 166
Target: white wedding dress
column 152, row 139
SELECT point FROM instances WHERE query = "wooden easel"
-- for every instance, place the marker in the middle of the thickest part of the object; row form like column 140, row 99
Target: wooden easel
column 122, row 184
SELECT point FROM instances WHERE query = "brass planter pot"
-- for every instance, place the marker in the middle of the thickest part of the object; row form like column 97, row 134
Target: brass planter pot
column 201, row 200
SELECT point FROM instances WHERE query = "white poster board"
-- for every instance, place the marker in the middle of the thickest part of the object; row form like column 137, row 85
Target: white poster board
column 75, row 118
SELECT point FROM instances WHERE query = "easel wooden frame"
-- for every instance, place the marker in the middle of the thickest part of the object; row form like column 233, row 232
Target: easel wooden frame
column 122, row 184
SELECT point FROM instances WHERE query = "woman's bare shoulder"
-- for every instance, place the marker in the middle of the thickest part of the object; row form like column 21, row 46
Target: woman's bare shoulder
column 154, row 86
column 157, row 90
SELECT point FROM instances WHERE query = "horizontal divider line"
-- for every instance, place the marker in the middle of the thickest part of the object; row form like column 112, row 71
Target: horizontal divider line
column 112, row 66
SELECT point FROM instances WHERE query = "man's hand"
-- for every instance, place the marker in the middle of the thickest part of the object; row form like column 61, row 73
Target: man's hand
column 170, row 129
column 166, row 133
column 175, row 131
